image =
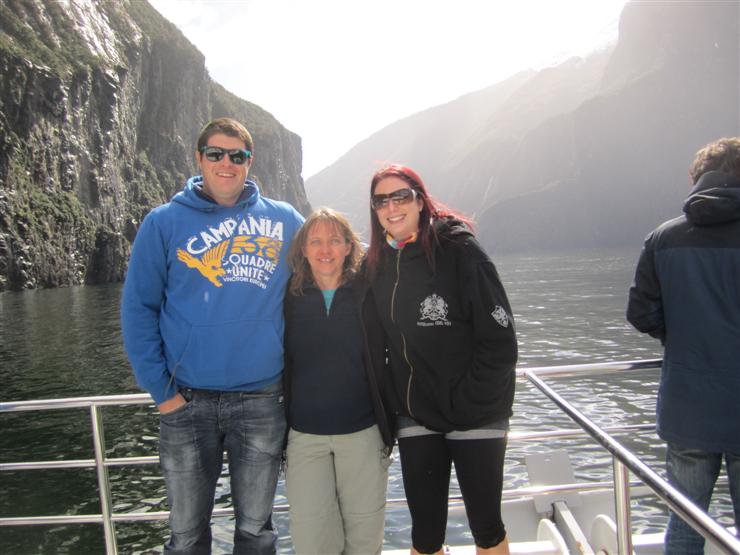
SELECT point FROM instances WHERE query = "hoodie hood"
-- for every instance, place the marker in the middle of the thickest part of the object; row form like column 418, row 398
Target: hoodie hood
column 451, row 228
column 194, row 196
column 715, row 199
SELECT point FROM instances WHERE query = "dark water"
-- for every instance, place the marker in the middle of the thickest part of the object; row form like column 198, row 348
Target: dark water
column 569, row 308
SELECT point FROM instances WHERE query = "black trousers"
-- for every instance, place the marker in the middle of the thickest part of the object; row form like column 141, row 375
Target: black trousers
column 426, row 463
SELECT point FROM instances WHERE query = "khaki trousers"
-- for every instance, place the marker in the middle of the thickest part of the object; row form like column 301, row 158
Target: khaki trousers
column 336, row 487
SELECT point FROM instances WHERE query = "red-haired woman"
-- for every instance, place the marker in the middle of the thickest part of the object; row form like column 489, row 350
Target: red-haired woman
column 453, row 352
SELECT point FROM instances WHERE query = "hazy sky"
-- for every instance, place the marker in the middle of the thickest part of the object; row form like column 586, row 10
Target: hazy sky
column 336, row 71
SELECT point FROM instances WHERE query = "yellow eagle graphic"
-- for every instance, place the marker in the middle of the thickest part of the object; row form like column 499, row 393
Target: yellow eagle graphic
column 209, row 264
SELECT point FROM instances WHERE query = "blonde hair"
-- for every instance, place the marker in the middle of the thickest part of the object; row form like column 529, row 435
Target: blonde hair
column 302, row 275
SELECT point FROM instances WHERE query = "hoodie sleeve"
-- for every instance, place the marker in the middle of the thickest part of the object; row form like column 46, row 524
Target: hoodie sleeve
column 645, row 305
column 143, row 296
column 491, row 378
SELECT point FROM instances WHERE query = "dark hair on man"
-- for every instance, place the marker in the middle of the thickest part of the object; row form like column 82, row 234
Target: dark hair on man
column 226, row 126
column 721, row 155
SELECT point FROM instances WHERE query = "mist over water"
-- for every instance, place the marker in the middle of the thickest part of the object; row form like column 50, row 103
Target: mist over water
column 569, row 309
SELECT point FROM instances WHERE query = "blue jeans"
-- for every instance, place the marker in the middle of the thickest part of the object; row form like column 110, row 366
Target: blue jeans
column 694, row 473
column 250, row 427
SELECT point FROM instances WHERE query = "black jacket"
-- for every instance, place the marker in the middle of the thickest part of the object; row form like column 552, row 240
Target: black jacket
column 305, row 333
column 450, row 332
column 687, row 294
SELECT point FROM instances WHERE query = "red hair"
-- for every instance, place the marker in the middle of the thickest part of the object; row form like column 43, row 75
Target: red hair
column 431, row 210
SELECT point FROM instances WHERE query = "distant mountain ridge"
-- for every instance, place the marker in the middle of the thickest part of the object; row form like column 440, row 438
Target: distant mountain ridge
column 101, row 103
column 593, row 152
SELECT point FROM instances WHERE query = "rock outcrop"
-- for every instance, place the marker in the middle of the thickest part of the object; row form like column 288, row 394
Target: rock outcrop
column 100, row 107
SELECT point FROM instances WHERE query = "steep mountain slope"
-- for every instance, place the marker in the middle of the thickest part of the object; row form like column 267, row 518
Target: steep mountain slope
column 671, row 86
column 100, row 105
column 591, row 152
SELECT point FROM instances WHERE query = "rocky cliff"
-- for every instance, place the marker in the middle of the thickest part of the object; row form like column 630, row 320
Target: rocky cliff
column 101, row 103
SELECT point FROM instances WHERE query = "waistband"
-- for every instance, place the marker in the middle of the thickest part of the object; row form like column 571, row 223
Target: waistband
column 271, row 389
column 407, row 427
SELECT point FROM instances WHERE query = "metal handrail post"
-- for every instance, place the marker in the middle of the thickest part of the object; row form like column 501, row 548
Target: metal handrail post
column 677, row 502
column 622, row 506
column 106, row 506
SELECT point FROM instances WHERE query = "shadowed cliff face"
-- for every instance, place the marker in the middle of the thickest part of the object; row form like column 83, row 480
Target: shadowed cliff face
column 101, row 104
column 590, row 153
column 671, row 85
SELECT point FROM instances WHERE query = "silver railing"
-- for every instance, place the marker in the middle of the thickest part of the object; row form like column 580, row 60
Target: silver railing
column 623, row 459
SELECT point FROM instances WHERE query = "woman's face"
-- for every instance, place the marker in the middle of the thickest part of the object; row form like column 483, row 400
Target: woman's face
column 325, row 251
column 398, row 217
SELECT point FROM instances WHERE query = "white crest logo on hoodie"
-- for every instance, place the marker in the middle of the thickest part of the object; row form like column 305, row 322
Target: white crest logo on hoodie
column 434, row 309
column 499, row 314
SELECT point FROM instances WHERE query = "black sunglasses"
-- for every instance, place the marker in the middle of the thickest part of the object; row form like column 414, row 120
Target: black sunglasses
column 402, row 196
column 216, row 153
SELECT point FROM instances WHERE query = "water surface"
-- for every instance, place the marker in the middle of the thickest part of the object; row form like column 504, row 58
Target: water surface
column 569, row 309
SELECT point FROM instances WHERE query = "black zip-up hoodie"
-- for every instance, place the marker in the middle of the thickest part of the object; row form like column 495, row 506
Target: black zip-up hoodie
column 450, row 332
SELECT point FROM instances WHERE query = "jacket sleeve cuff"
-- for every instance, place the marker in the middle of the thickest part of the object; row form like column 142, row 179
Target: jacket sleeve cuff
column 161, row 390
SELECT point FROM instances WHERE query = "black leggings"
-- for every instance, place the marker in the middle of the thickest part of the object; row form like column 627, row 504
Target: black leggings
column 426, row 462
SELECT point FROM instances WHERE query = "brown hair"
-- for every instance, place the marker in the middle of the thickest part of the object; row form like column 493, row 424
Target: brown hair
column 227, row 126
column 721, row 155
column 302, row 275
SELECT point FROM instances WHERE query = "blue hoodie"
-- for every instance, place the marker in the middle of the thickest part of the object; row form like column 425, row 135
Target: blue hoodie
column 202, row 304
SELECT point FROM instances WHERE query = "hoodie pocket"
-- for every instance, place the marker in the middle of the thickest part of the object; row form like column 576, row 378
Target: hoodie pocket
column 226, row 356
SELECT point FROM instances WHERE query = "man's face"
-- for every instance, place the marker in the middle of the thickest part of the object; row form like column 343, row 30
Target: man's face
column 223, row 180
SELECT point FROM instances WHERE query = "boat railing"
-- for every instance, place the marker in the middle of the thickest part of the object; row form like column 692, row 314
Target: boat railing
column 623, row 460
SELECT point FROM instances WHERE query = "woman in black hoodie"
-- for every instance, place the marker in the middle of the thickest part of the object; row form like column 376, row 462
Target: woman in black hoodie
column 452, row 350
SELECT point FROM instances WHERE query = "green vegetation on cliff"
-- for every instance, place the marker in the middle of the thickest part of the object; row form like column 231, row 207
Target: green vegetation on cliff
column 26, row 33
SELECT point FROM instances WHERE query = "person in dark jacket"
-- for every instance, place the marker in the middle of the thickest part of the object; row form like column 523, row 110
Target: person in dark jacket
column 339, row 440
column 452, row 350
column 686, row 293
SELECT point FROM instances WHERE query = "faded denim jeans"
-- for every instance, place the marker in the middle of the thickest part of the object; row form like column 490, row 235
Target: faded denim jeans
column 250, row 427
column 694, row 472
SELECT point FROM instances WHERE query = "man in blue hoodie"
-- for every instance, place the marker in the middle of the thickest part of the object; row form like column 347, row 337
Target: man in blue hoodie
column 202, row 319
column 687, row 294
